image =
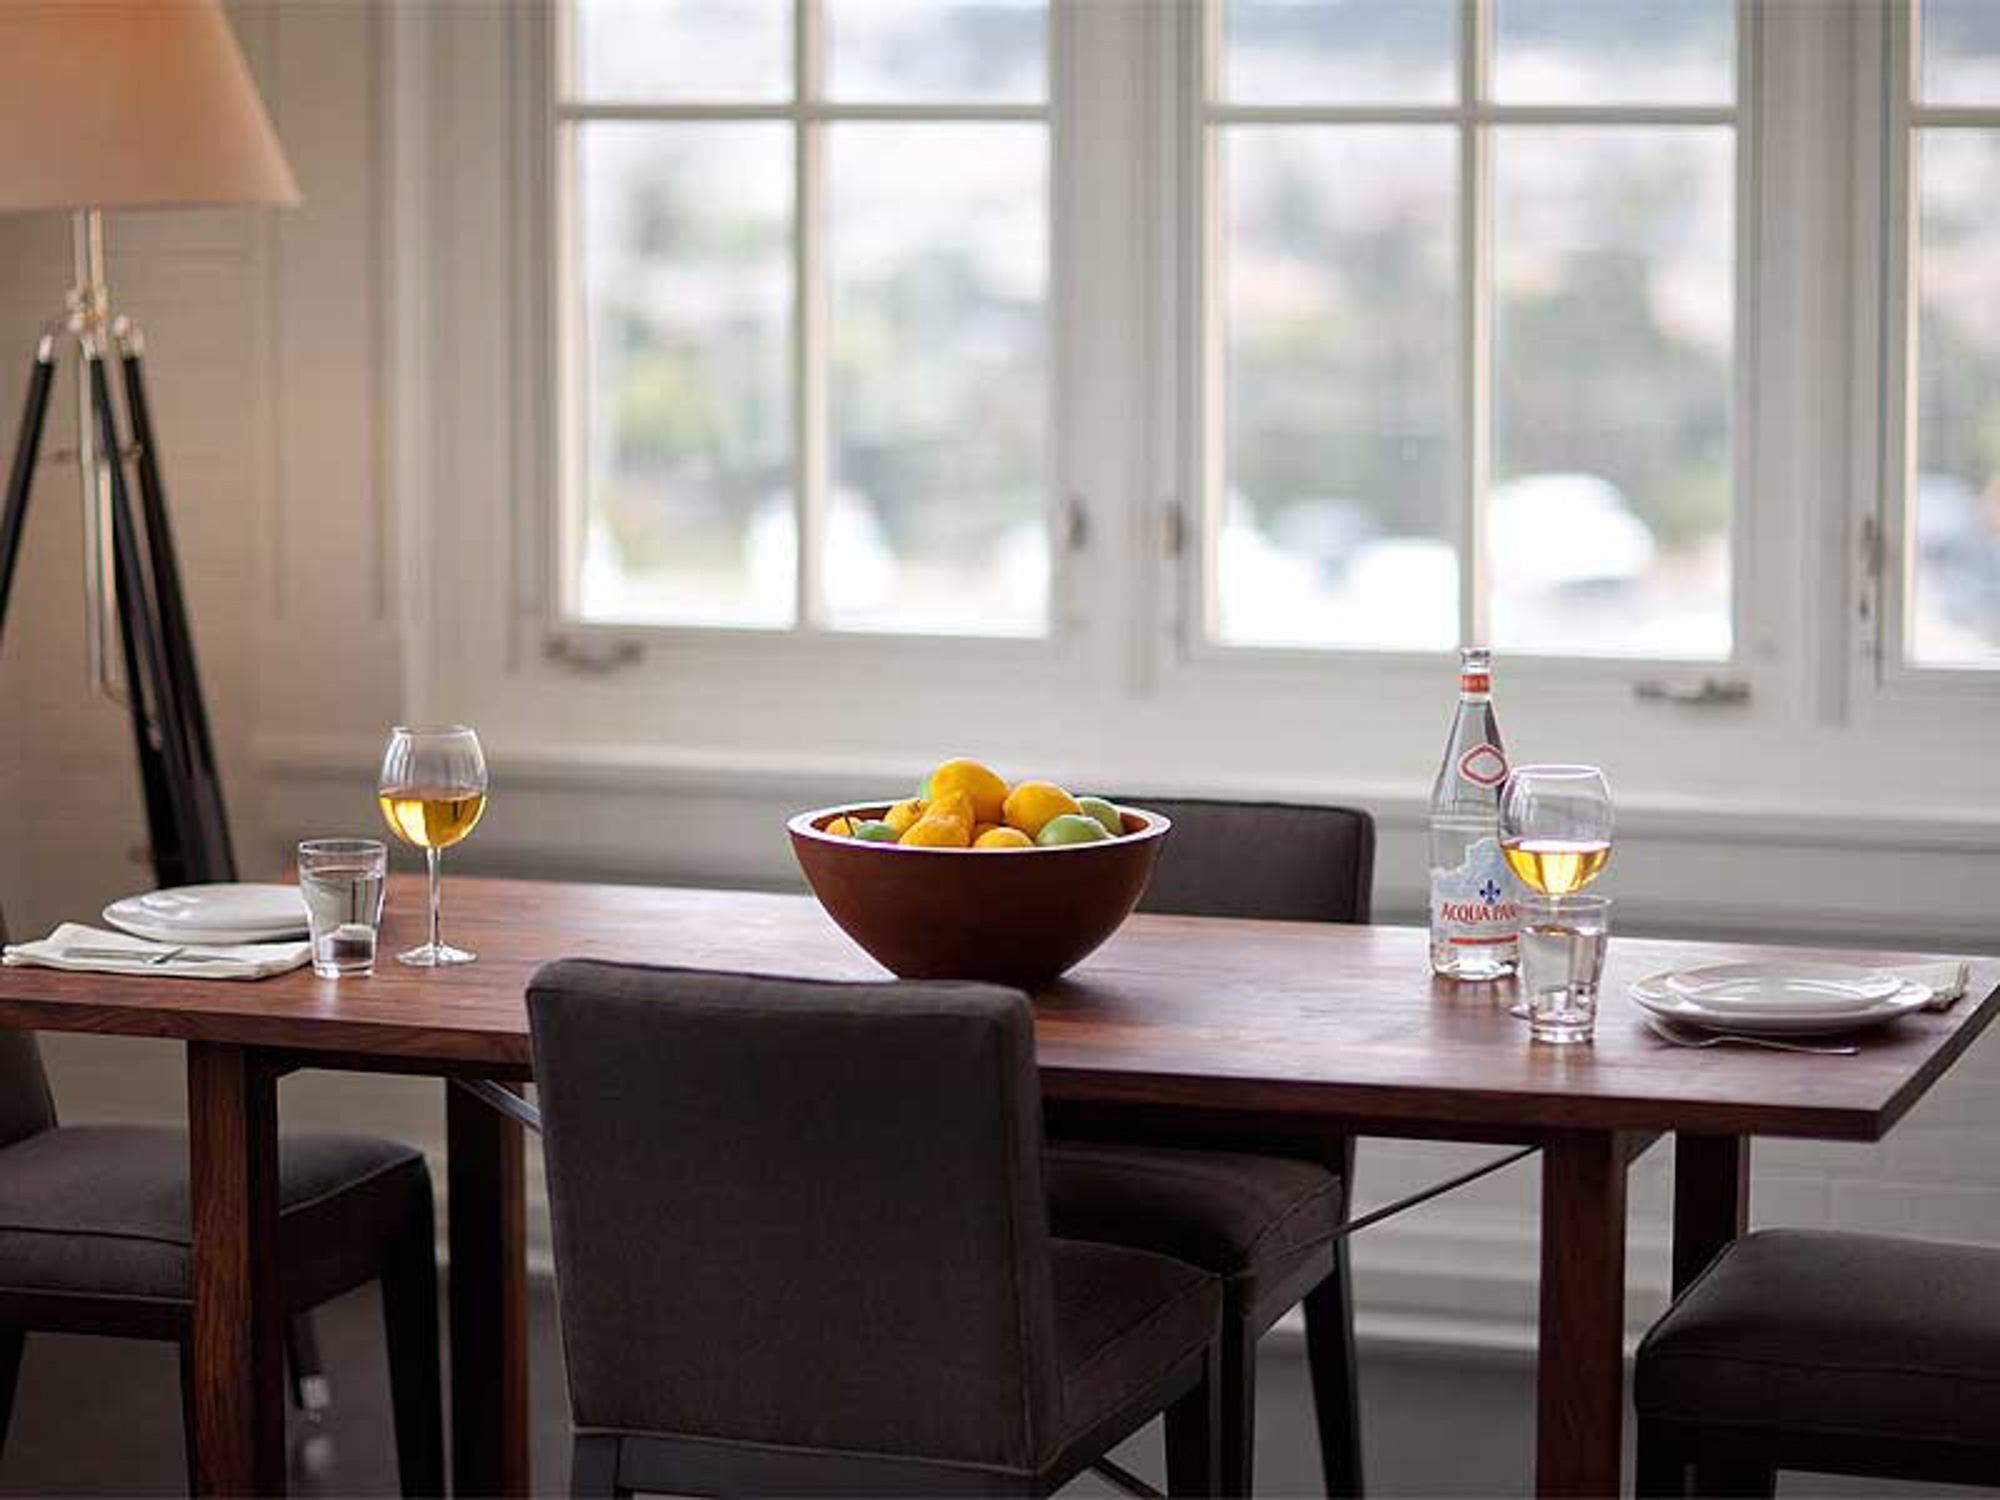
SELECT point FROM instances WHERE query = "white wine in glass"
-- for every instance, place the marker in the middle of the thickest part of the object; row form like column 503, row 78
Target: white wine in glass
column 432, row 792
column 1555, row 831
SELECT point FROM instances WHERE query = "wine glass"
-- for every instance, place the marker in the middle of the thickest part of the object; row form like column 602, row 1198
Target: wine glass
column 1555, row 831
column 432, row 790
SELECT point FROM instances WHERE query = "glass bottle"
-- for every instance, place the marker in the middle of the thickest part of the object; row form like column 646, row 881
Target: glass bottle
column 1474, row 897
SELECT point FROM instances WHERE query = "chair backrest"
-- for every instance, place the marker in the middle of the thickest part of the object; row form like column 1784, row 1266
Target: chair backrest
column 798, row 1213
column 26, row 1105
column 1279, row 861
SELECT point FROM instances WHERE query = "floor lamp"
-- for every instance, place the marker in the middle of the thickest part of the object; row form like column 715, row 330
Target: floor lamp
column 128, row 104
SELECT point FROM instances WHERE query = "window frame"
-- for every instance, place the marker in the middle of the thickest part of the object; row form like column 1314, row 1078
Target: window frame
column 547, row 73
column 1472, row 115
column 1885, row 555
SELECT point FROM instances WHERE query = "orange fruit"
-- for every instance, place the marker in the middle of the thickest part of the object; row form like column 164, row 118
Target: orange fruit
column 903, row 814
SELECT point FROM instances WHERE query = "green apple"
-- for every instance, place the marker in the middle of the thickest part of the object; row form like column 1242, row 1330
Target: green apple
column 874, row 831
column 1070, row 828
column 1104, row 812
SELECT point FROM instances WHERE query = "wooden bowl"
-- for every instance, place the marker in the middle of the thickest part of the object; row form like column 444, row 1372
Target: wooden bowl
column 1012, row 916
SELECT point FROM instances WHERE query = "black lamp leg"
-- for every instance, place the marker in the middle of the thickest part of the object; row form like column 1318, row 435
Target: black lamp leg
column 159, row 738
column 21, row 478
column 213, row 857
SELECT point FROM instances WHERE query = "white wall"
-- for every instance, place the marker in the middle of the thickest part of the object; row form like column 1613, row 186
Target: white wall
column 305, row 453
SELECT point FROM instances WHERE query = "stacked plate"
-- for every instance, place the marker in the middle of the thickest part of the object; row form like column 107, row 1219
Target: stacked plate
column 1783, row 998
column 233, row 913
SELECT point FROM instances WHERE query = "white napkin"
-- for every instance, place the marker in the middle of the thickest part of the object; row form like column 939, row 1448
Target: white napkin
column 196, row 960
column 1945, row 979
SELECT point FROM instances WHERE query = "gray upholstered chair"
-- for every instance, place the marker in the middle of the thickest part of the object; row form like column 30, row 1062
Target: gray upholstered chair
column 1257, row 1206
column 801, row 1247
column 1831, row 1353
column 94, row 1239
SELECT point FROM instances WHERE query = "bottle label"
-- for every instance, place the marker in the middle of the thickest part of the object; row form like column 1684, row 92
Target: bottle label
column 1476, row 904
column 1483, row 766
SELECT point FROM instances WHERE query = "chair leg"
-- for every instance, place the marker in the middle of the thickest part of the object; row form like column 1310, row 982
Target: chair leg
column 1660, row 1472
column 1331, row 1361
column 312, row 1392
column 1236, row 1381
column 189, row 1442
column 11, row 1342
column 593, row 1468
column 1193, row 1429
column 1734, row 1478
column 410, row 1328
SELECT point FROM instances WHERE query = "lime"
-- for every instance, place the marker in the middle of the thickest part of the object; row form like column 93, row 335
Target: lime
column 1071, row 828
column 875, row 831
column 1104, row 812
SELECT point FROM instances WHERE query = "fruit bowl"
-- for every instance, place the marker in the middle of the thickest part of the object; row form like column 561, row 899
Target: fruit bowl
column 1017, row 917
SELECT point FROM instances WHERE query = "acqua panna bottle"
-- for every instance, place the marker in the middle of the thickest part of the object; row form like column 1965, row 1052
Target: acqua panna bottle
column 1474, row 896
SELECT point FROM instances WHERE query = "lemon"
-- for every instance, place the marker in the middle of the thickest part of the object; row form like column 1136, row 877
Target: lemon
column 987, row 791
column 841, row 827
column 1033, row 803
column 980, row 830
column 999, row 836
column 934, row 832
column 952, row 803
column 903, row 814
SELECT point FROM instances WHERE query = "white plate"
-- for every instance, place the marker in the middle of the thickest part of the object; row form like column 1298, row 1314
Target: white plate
column 1783, row 984
column 1652, row 994
column 232, row 913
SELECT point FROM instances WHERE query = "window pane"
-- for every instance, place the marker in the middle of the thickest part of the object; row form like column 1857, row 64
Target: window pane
column 938, row 516
column 1955, row 608
column 684, row 240
column 1614, row 51
column 1608, row 523
column 1340, row 51
column 964, row 51
column 680, row 50
column 1961, row 51
column 1339, row 300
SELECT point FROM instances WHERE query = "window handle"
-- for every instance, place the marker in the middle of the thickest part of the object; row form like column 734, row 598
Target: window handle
column 1076, row 525
column 596, row 656
column 1706, row 692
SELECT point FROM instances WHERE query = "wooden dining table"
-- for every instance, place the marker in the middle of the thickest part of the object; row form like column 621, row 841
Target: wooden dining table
column 1175, row 1019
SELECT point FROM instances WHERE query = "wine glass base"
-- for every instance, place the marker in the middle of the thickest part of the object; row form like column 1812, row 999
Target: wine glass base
column 435, row 955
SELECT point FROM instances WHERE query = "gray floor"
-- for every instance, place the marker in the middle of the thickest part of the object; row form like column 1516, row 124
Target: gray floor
column 102, row 1417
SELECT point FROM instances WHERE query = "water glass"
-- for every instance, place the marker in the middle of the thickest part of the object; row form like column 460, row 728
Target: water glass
column 1562, row 960
column 343, row 881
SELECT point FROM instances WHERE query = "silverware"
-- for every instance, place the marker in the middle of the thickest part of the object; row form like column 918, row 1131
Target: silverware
column 1687, row 1036
column 153, row 958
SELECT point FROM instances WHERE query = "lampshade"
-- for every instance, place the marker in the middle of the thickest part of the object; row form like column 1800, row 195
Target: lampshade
column 130, row 104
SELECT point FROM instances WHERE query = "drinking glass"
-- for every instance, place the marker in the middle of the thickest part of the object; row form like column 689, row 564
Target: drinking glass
column 1562, row 960
column 342, row 881
column 432, row 791
column 1555, row 827
column 1555, row 831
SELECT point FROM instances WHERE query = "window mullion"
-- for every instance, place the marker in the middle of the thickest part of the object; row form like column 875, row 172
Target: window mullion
column 810, row 451
column 1475, row 324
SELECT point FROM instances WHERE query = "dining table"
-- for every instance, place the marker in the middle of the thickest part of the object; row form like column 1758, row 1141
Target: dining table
column 1176, row 1021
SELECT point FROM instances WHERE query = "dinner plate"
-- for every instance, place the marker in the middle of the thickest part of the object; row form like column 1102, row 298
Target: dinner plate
column 1774, row 984
column 236, row 912
column 1788, row 1019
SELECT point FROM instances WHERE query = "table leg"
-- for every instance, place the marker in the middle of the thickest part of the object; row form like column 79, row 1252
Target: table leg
column 489, row 1298
column 1580, row 1386
column 1711, row 1200
column 236, row 1359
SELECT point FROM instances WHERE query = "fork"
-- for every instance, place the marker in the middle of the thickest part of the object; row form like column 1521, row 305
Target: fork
column 154, row 958
column 1682, row 1036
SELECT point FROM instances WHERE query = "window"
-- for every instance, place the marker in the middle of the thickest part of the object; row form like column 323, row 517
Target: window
column 1950, row 594
column 806, row 251
column 1472, row 352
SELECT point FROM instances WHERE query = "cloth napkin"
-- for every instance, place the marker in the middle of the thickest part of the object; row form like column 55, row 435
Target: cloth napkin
column 197, row 960
column 1945, row 979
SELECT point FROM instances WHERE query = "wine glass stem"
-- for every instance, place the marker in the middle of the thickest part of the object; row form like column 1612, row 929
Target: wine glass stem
column 431, row 858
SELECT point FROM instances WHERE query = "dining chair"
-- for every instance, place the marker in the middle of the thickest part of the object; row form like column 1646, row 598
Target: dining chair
column 94, row 1238
column 801, row 1247
column 1829, row 1352
column 1259, row 1205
